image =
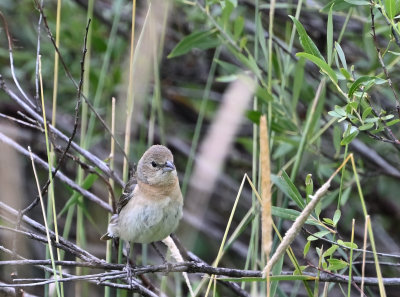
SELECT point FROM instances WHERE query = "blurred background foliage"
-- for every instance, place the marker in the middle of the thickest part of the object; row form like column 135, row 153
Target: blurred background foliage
column 321, row 106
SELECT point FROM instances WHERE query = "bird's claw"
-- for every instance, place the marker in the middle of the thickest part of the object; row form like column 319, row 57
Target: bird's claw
column 128, row 270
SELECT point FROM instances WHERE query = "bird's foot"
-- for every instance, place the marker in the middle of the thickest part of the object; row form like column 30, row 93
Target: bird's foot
column 129, row 274
column 168, row 267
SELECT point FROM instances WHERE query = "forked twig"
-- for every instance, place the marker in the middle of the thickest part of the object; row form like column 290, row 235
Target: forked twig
column 76, row 118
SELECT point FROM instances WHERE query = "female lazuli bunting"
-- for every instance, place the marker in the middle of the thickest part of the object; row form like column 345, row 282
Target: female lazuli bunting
column 150, row 206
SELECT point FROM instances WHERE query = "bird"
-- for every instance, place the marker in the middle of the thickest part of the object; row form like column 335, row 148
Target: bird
column 151, row 204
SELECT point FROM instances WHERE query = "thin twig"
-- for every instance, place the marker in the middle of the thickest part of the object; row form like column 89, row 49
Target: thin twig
column 21, row 122
column 88, row 155
column 69, row 75
column 10, row 49
column 60, row 175
column 76, row 117
column 38, row 108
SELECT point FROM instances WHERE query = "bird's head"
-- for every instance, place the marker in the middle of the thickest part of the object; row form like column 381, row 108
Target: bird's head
column 156, row 167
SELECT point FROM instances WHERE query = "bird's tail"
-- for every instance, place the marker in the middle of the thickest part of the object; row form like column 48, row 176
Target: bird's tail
column 112, row 230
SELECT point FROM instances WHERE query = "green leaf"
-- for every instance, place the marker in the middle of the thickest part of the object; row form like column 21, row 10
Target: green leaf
column 363, row 80
column 336, row 264
column 226, row 13
column 227, row 78
column 372, row 120
column 306, row 42
column 347, row 244
column 309, row 186
column 339, row 112
column 340, row 53
column 366, row 126
column 238, row 27
column 340, row 5
column 321, row 64
column 336, row 216
column 263, row 94
column 349, row 138
column 286, row 186
column 345, row 73
column 87, row 183
column 337, row 138
column 248, row 61
column 289, row 214
column 391, row 123
column 329, row 36
column 202, row 40
column 328, row 221
column 358, row 2
column 254, row 116
column 390, row 8
column 306, row 248
column 388, row 117
column 366, row 112
column 330, row 251
column 318, row 235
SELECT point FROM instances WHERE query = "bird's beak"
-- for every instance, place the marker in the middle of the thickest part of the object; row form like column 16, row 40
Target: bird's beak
column 169, row 166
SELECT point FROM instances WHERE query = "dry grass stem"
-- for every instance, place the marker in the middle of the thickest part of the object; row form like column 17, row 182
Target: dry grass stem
column 266, row 216
column 301, row 219
column 364, row 254
column 169, row 242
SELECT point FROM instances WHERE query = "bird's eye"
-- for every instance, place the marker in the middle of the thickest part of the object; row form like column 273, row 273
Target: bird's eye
column 154, row 164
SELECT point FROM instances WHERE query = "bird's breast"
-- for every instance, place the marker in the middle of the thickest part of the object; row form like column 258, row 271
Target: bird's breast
column 149, row 221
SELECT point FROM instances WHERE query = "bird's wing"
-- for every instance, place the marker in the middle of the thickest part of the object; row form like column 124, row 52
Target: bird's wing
column 127, row 193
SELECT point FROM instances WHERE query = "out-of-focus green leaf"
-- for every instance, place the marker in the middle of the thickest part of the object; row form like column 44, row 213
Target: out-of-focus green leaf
column 306, row 42
column 298, row 81
column 318, row 235
column 349, row 137
column 391, row 123
column 321, row 64
column 366, row 126
column 366, row 112
column 329, row 36
column 286, row 186
column 336, row 264
column 340, row 5
column 363, row 80
column 254, row 116
column 248, row 61
column 306, row 248
column 263, row 94
column 289, row 214
column 330, row 251
column 336, row 216
column 358, row 2
column 238, row 27
column 226, row 13
column 341, row 55
column 202, row 40
column 339, row 112
column 390, row 8
column 347, row 244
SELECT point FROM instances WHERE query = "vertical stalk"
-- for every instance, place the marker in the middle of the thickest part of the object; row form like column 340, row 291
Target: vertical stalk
column 130, row 97
column 81, row 290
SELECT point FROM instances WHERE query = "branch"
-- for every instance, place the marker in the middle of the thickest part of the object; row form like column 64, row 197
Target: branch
column 88, row 155
column 60, row 175
column 69, row 75
column 76, row 117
